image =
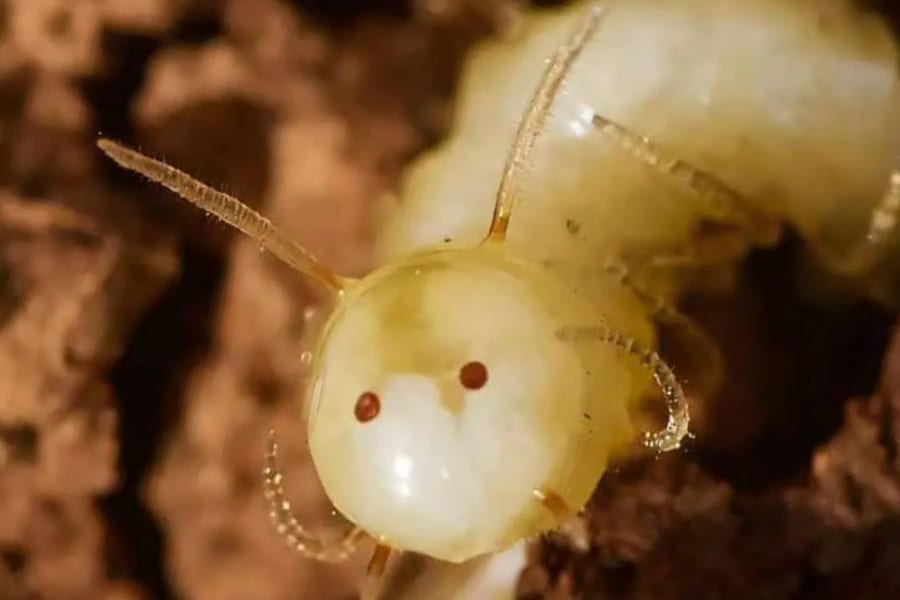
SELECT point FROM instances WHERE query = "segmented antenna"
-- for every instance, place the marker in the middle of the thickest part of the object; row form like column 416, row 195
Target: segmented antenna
column 700, row 343
column 228, row 209
column 676, row 429
column 532, row 123
column 288, row 527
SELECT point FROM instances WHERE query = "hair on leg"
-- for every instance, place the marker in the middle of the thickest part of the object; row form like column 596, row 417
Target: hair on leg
column 707, row 358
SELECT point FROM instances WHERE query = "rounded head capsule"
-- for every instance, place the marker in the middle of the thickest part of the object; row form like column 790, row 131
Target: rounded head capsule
column 448, row 416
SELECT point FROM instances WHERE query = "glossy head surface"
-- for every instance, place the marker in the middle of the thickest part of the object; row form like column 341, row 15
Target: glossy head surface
column 444, row 401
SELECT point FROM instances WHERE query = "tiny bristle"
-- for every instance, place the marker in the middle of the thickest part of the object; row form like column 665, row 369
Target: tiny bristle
column 114, row 150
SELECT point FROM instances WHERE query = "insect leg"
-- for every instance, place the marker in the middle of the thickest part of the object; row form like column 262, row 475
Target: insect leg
column 375, row 573
column 227, row 208
column 287, row 525
column 882, row 226
column 721, row 201
column 532, row 123
column 714, row 248
column 707, row 359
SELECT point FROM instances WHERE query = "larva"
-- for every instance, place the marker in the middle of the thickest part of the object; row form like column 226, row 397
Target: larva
column 471, row 391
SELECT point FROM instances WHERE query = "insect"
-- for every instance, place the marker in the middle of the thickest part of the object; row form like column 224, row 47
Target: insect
column 472, row 391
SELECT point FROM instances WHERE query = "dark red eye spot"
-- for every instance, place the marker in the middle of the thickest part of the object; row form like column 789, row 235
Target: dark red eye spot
column 367, row 407
column 473, row 375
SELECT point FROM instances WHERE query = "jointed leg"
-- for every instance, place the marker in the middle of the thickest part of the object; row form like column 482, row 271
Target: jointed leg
column 722, row 202
column 706, row 249
column 885, row 215
column 707, row 358
column 882, row 226
column 375, row 572
column 711, row 248
column 287, row 525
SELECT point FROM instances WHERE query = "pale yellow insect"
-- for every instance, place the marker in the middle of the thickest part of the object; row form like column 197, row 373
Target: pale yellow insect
column 473, row 390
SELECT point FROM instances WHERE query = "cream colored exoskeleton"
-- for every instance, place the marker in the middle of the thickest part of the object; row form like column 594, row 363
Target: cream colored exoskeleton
column 793, row 104
column 472, row 391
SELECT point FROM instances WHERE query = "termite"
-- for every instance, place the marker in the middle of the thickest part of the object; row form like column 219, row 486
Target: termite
column 471, row 392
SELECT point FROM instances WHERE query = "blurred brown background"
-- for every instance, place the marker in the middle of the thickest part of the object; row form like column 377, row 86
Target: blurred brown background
column 145, row 350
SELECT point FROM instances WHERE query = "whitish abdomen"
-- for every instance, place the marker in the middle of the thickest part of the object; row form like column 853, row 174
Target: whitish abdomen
column 793, row 103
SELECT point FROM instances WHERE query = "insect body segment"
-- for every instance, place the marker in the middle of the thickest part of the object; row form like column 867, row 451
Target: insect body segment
column 677, row 118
